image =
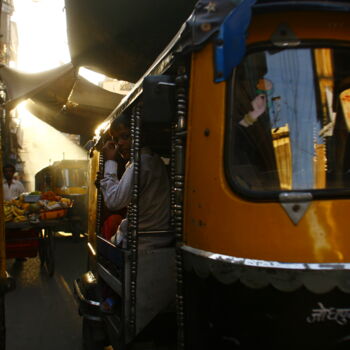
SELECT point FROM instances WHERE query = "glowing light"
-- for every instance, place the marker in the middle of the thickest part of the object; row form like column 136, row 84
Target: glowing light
column 39, row 145
column 91, row 76
column 41, row 27
column 102, row 127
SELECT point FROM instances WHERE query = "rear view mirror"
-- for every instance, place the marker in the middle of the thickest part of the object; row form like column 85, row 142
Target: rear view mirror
column 158, row 99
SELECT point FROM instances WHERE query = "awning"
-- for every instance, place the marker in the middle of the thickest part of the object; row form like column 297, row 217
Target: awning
column 21, row 86
column 85, row 108
column 60, row 98
column 121, row 38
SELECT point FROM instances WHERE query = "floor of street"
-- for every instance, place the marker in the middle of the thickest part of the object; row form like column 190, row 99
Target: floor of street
column 41, row 312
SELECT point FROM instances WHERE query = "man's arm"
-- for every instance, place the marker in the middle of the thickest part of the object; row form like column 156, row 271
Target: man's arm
column 116, row 193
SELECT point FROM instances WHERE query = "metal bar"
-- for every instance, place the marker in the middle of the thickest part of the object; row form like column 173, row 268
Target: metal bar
column 2, row 321
column 178, row 172
column 3, row 274
column 2, row 227
column 99, row 197
column 133, row 214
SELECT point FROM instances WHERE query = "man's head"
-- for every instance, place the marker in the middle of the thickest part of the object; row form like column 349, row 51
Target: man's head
column 9, row 170
column 121, row 134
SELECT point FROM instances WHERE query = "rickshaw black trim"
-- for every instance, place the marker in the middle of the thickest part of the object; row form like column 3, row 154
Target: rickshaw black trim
column 272, row 196
column 81, row 296
column 111, row 280
column 275, row 6
column 88, row 308
column 114, row 322
column 256, row 274
column 268, row 264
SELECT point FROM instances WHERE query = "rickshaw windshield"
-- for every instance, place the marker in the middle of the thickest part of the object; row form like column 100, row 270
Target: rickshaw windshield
column 290, row 120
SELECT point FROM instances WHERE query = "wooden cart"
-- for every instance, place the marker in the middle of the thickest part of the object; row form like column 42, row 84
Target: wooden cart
column 27, row 240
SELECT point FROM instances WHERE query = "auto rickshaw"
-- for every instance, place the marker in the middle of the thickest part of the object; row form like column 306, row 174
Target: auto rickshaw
column 251, row 99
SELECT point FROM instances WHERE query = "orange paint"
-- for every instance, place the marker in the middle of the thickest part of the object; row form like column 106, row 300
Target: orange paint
column 219, row 221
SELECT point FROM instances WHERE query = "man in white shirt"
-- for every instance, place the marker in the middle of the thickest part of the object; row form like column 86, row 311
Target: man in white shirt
column 12, row 188
column 154, row 202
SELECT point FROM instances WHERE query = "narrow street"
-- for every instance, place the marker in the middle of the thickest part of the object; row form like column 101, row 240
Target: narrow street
column 41, row 312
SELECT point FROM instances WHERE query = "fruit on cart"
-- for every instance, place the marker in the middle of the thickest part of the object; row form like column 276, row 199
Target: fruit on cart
column 17, row 211
column 66, row 202
column 8, row 215
column 34, row 208
column 8, row 218
column 20, row 218
column 35, row 193
column 13, row 213
column 26, row 206
column 50, row 206
column 18, row 214
column 50, row 196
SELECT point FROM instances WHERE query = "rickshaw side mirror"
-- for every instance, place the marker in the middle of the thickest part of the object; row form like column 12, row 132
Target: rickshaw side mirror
column 158, row 99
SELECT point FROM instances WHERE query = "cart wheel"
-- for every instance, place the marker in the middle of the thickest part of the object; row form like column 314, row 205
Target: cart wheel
column 49, row 252
column 42, row 243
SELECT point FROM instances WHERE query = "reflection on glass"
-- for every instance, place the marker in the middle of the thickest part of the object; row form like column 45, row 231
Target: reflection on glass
column 345, row 102
column 290, row 131
column 72, row 177
column 283, row 154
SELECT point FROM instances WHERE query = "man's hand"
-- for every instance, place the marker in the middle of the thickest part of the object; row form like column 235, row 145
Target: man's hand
column 259, row 107
column 110, row 150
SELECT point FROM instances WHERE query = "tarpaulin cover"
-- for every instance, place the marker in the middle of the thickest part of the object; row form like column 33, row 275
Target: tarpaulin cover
column 60, row 98
column 85, row 108
column 20, row 85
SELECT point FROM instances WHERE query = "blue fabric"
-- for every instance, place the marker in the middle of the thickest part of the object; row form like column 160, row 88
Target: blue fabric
column 230, row 47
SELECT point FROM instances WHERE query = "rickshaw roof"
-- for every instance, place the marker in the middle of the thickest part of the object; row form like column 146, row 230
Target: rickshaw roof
column 183, row 41
column 121, row 39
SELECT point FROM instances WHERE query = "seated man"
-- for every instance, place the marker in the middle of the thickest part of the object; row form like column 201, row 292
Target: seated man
column 154, row 202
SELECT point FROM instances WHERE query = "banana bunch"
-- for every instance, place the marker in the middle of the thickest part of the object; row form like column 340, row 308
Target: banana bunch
column 18, row 214
column 13, row 213
column 8, row 215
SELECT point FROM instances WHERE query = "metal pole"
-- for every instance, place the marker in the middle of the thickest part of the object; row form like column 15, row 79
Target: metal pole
column 2, row 265
column 6, row 282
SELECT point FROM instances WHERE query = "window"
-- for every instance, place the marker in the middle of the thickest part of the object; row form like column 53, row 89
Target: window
column 289, row 121
column 72, row 177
